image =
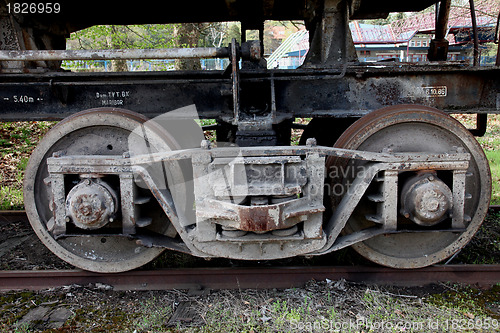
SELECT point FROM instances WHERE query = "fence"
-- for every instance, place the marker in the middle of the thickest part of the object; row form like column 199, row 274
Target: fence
column 139, row 65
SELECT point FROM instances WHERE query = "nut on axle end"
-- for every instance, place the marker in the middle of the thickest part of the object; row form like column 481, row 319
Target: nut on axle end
column 426, row 200
column 91, row 205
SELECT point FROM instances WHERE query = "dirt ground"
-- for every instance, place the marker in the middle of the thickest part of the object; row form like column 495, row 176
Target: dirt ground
column 20, row 249
column 320, row 306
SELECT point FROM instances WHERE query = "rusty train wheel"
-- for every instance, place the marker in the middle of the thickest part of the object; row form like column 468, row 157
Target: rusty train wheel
column 414, row 128
column 104, row 131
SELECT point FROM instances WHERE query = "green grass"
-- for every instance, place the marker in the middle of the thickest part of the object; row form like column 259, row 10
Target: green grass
column 324, row 308
column 17, row 141
column 11, row 198
column 494, row 159
column 490, row 143
column 470, row 301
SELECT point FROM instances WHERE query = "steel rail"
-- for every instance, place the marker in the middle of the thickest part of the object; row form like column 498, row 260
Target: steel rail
column 9, row 216
column 250, row 277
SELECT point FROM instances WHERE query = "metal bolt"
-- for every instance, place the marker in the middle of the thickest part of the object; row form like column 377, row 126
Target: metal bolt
column 87, row 181
column 457, row 149
column 311, row 142
column 226, row 92
column 205, row 144
column 57, row 154
column 67, row 219
column 86, row 210
column 126, row 154
column 432, row 205
column 111, row 220
column 387, row 150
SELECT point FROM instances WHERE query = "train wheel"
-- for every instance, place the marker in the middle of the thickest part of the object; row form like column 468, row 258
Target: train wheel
column 413, row 128
column 104, row 131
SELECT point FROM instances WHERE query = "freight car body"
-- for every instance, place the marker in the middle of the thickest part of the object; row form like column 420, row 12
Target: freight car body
column 379, row 167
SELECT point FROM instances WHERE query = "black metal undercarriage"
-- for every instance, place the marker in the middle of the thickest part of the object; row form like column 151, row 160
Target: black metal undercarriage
column 283, row 94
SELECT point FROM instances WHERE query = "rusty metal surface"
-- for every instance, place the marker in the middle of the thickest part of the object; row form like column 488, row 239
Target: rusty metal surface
column 91, row 204
column 260, row 278
column 236, row 193
column 296, row 93
column 474, row 29
column 438, row 49
column 117, row 164
column 249, row 50
column 174, row 53
column 214, row 209
column 426, row 199
column 234, row 220
column 258, row 218
column 417, row 126
column 222, row 219
column 9, row 216
column 331, row 44
column 108, row 251
column 251, row 13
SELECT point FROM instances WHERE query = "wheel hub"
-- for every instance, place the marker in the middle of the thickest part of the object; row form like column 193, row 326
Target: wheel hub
column 91, row 205
column 426, row 200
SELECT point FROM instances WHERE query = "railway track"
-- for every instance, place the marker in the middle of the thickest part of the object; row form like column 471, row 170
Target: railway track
column 259, row 278
column 241, row 277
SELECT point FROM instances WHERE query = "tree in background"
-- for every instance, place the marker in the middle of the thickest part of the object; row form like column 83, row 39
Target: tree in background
column 148, row 36
column 187, row 35
column 155, row 36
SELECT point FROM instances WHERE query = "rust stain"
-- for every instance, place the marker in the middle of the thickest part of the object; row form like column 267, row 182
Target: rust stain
column 263, row 218
column 88, row 209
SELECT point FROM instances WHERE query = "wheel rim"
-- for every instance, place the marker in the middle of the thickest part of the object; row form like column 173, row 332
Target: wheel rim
column 412, row 128
column 92, row 132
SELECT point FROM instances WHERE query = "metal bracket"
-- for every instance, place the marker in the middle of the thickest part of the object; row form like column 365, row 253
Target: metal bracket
column 59, row 204
column 332, row 43
column 438, row 49
column 235, row 79
column 315, row 235
column 458, row 218
column 127, row 195
column 390, row 204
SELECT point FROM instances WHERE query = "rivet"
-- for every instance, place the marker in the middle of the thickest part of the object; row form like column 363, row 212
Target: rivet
column 205, row 144
column 311, row 142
